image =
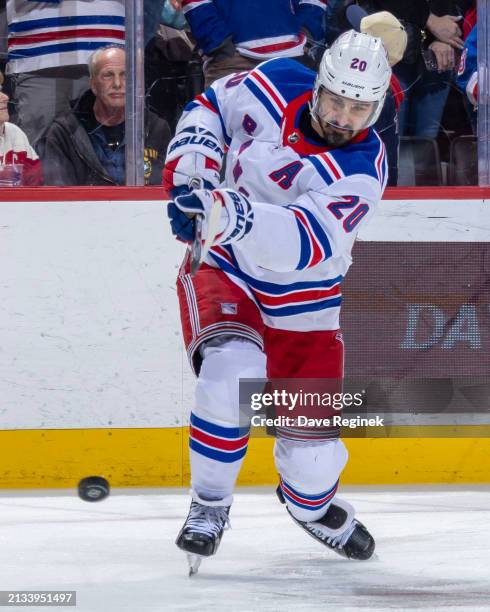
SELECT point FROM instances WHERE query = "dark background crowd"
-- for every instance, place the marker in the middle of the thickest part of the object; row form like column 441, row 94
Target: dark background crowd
column 62, row 62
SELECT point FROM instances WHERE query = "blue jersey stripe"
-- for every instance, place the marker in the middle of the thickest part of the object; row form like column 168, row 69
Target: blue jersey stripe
column 263, row 98
column 305, row 506
column 216, row 430
column 268, row 287
column 305, row 254
column 190, row 106
column 364, row 162
column 211, row 96
column 318, row 230
column 278, row 71
column 217, row 455
column 287, row 311
column 59, row 48
column 321, row 170
column 311, row 497
column 59, row 22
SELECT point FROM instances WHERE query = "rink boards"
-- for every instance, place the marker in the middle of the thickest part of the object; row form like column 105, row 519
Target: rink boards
column 93, row 375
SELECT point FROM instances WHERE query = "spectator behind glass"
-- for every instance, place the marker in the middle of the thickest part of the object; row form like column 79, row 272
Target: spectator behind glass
column 49, row 45
column 235, row 35
column 427, row 78
column 173, row 67
column 19, row 163
column 468, row 75
column 151, row 10
column 386, row 26
column 425, row 90
column 86, row 146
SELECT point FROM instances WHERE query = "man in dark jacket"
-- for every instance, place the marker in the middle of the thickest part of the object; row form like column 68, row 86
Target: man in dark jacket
column 427, row 67
column 86, row 146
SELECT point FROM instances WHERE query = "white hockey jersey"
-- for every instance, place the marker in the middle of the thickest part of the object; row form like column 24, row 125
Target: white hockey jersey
column 308, row 200
column 53, row 34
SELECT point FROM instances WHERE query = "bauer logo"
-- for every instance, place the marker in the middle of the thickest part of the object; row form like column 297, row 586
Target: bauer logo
column 201, row 141
column 354, row 85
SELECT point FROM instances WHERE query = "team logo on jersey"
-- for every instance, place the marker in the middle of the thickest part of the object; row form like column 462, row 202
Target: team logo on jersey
column 229, row 309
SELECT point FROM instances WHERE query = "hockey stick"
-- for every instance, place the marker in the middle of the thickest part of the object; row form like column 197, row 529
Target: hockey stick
column 199, row 250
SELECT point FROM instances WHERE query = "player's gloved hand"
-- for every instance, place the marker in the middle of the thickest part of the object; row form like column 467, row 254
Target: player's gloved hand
column 183, row 227
column 184, row 209
column 179, row 174
column 233, row 222
column 193, row 155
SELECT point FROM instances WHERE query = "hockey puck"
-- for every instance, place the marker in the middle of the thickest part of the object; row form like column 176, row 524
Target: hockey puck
column 93, row 488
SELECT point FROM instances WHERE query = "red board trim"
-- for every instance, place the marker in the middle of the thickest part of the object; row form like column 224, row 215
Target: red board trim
column 97, row 194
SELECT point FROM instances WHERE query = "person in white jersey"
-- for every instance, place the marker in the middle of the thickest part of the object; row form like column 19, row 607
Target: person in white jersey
column 49, row 44
column 304, row 170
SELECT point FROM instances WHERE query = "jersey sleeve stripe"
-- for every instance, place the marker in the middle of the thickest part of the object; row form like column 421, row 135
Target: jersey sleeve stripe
column 209, row 101
column 255, row 90
column 332, row 166
column 315, row 250
column 210, row 95
column 318, row 239
column 321, row 170
column 305, row 246
column 201, row 99
column 269, row 89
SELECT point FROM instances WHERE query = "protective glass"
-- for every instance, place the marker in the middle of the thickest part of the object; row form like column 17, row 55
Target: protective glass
column 343, row 113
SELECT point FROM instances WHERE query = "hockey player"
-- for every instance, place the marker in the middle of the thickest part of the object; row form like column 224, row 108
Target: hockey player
column 303, row 170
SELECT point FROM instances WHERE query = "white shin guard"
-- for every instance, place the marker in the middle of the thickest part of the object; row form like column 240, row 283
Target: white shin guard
column 219, row 431
column 309, row 472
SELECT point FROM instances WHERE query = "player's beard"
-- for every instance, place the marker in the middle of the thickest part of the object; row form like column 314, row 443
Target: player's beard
column 336, row 136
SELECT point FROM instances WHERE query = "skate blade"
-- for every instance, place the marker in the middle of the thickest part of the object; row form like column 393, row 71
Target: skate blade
column 194, row 563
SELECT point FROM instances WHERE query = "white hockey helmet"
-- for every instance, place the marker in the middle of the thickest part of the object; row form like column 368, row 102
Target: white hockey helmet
column 355, row 67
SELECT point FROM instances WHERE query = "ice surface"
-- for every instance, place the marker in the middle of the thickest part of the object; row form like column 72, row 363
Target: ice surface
column 433, row 553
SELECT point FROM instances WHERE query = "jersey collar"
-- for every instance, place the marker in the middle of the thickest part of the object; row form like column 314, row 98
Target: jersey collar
column 294, row 138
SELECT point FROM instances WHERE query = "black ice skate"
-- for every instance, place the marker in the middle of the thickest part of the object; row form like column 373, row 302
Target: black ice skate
column 339, row 530
column 201, row 533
